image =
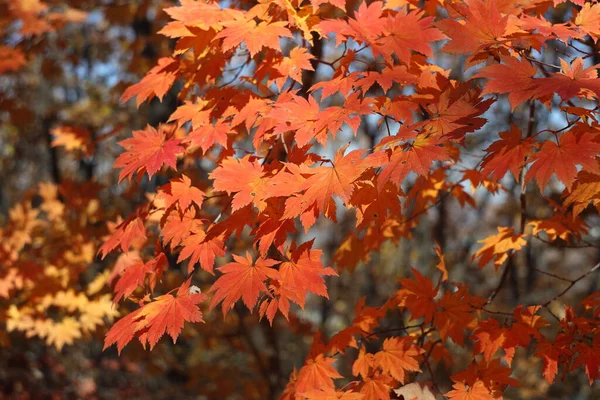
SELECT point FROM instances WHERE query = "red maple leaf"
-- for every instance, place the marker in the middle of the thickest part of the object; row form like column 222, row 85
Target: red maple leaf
column 573, row 81
column 507, row 154
column 562, row 159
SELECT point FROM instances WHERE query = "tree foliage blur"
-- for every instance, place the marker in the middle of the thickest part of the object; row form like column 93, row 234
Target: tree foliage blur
column 315, row 199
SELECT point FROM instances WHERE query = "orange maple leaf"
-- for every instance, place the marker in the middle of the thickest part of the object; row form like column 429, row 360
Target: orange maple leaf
column 483, row 27
column 243, row 177
column 180, row 190
column 157, row 82
column 326, row 182
column 292, row 66
column 316, row 374
column 398, row 356
column 135, row 275
column 498, row 246
column 124, row 235
column 243, row 279
column 254, row 36
column 477, row 391
column 418, row 296
column 585, row 190
column 166, row 314
column 417, row 158
column 148, row 151
column 303, row 272
column 201, row 247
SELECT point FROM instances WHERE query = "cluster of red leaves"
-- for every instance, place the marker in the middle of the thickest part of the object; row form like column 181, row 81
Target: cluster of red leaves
column 241, row 68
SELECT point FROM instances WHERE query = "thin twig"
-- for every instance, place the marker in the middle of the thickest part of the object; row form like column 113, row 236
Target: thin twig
column 573, row 282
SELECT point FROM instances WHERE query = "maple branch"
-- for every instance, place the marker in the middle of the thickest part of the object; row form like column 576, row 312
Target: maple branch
column 428, row 365
column 541, row 62
column 566, row 245
column 482, row 308
column 589, row 54
column 573, row 282
column 560, row 278
column 505, row 273
column 388, row 331
column 387, row 125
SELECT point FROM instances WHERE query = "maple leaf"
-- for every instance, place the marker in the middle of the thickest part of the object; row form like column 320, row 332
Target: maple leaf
column 497, row 247
column 147, row 151
column 73, row 138
column 194, row 112
column 561, row 159
column 588, row 356
column 254, row 36
column 327, row 182
column 417, row 157
column 454, row 315
column 135, row 275
column 201, row 247
column 549, row 353
column 243, row 279
column 292, row 66
column 157, row 82
column 316, row 374
column 180, row 190
column 483, row 27
column 341, row 4
column 507, row 154
column 243, row 177
column 418, row 296
column 514, row 77
column 546, row 28
column 363, row 363
column 574, row 81
column 377, row 388
column 125, row 234
column 303, row 272
column 398, row 356
column 588, row 19
column 477, row 391
column 366, row 27
column 207, row 135
column 386, row 78
column 177, row 227
column 166, row 314
column 490, row 337
column 586, row 189
column 407, row 31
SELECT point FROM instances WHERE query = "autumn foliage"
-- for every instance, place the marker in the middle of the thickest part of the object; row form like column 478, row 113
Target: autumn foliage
column 306, row 138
